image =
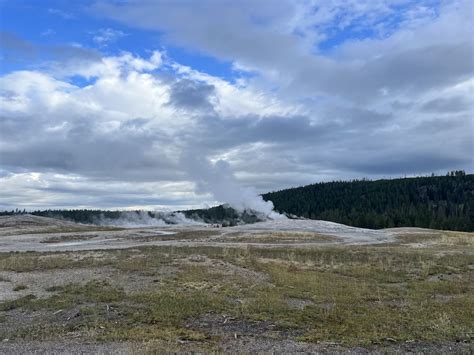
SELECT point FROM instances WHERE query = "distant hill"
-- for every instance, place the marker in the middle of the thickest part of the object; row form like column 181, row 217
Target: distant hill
column 438, row 202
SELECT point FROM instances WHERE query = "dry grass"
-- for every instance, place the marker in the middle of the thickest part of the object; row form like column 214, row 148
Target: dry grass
column 353, row 295
column 25, row 262
column 68, row 238
column 439, row 239
column 57, row 229
column 279, row 237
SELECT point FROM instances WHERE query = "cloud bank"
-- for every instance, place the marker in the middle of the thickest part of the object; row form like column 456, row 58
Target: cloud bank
column 311, row 97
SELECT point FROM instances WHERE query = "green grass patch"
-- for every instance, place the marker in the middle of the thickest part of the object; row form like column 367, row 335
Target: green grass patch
column 171, row 308
column 20, row 287
column 30, row 261
column 18, row 303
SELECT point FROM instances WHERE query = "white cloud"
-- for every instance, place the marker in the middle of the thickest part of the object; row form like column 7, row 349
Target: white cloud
column 240, row 99
column 64, row 14
column 371, row 107
column 48, row 32
column 104, row 36
column 51, row 190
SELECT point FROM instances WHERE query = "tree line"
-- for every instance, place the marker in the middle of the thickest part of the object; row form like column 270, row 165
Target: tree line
column 438, row 202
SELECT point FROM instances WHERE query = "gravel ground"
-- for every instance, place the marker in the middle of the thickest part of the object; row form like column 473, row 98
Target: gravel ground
column 246, row 344
column 70, row 347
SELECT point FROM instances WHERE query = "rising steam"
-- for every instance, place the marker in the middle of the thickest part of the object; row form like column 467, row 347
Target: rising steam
column 218, row 179
column 135, row 219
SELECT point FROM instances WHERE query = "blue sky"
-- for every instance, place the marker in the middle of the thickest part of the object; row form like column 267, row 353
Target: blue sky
column 110, row 103
column 53, row 23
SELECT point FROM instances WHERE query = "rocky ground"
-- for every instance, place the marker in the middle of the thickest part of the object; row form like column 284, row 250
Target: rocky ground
column 272, row 287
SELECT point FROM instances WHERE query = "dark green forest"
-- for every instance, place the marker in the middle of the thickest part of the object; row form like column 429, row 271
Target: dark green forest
column 223, row 214
column 438, row 202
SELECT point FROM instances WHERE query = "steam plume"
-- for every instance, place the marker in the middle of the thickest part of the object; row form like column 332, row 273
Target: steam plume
column 134, row 219
column 218, row 179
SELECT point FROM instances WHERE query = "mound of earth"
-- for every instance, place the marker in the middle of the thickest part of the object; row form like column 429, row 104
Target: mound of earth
column 28, row 220
column 347, row 233
column 27, row 223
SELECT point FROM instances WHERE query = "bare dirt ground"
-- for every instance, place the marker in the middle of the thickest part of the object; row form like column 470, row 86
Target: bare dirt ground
column 289, row 286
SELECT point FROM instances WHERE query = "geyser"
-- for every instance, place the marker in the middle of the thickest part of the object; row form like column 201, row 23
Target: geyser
column 218, row 179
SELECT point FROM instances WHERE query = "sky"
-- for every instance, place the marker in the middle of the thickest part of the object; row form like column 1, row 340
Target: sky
column 126, row 104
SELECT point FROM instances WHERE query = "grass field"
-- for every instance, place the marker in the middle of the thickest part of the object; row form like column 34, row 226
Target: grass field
column 415, row 293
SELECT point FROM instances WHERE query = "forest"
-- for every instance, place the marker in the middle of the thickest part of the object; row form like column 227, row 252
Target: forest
column 438, row 202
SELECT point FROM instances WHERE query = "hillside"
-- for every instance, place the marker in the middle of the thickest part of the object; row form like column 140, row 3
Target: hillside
column 438, row 202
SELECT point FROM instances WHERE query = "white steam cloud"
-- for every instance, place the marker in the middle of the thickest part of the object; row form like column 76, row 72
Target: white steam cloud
column 218, row 179
column 132, row 219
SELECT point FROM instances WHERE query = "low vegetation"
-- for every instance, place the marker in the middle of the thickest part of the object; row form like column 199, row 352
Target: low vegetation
column 352, row 296
column 20, row 287
column 27, row 262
